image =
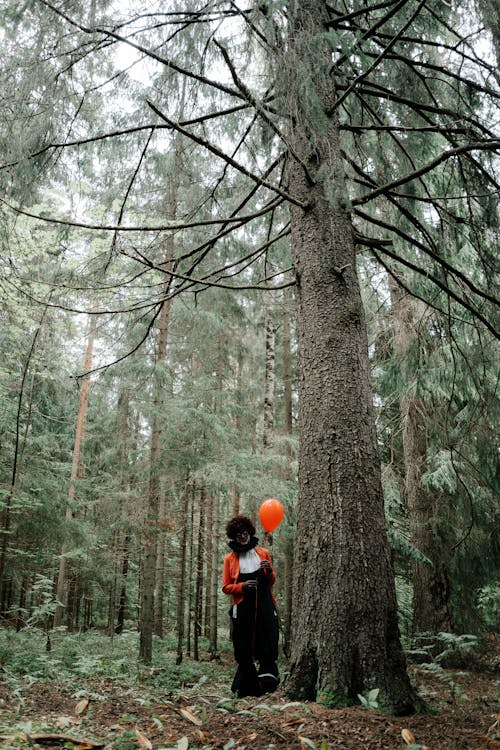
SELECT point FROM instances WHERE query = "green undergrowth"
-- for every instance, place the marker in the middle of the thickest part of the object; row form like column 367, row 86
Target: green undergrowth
column 75, row 657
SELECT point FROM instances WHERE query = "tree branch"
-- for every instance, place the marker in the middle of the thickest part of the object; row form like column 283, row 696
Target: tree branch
column 217, row 152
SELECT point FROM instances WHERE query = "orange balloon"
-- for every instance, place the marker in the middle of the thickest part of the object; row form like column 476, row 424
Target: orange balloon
column 271, row 514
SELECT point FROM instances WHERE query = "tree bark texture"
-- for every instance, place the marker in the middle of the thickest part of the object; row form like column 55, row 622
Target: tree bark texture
column 345, row 630
column 431, row 593
column 270, row 381
column 209, row 538
column 198, row 599
column 181, row 590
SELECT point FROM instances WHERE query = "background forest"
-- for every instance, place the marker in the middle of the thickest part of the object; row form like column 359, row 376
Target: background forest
column 148, row 369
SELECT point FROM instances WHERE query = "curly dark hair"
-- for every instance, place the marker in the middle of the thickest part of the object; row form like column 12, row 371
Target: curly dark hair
column 238, row 524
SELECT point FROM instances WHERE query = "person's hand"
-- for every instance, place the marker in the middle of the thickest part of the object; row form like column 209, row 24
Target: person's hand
column 265, row 565
column 250, row 585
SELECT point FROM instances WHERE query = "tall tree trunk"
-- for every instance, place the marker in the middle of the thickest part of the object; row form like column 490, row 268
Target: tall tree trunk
column 209, row 539
column 287, row 405
column 190, row 576
column 122, row 605
column 235, row 490
column 214, row 582
column 152, row 516
column 123, row 539
column 270, row 381
column 21, row 610
column 160, row 563
column 113, row 585
column 181, row 589
column 18, row 451
column 150, row 583
column 345, row 628
column 198, row 599
column 75, row 466
column 431, row 607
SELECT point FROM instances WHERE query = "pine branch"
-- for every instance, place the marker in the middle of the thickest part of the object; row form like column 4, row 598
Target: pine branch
column 388, row 187
column 382, row 92
column 413, row 293
column 371, row 31
column 204, row 283
column 424, row 272
column 366, row 10
column 173, row 226
column 380, row 58
column 221, row 155
column 260, row 110
column 433, row 254
column 145, row 51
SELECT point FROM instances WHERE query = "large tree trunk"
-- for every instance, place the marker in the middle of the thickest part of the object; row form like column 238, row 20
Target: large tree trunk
column 345, row 629
column 431, row 607
column 288, row 426
column 75, row 466
column 270, row 381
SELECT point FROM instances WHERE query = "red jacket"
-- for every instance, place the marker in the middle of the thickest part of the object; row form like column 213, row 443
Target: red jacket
column 231, row 572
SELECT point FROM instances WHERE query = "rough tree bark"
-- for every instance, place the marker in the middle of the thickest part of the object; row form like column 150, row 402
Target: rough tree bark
column 288, row 426
column 270, row 381
column 345, row 629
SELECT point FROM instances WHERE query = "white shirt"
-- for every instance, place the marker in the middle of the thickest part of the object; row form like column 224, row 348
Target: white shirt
column 249, row 561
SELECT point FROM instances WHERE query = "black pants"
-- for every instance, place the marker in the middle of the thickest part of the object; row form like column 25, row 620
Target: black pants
column 255, row 638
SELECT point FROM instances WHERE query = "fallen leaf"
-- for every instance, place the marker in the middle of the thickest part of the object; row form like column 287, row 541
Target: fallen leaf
column 190, row 717
column 306, row 742
column 248, row 737
column 183, row 743
column 143, row 741
column 291, row 722
column 82, row 706
column 408, row 737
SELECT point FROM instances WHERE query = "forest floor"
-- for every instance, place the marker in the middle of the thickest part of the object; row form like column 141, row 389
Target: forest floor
column 91, row 712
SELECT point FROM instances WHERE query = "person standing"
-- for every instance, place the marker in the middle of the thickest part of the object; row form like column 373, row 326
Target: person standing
column 248, row 577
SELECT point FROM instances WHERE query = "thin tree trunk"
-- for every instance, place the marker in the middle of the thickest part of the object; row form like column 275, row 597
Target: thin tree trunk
column 345, row 628
column 190, row 576
column 113, row 587
column 18, row 451
column 21, row 609
column 198, row 599
column 431, row 593
column 235, row 490
column 181, row 589
column 75, row 467
column 209, row 534
column 122, row 606
column 150, row 605
column 122, row 549
column 160, row 565
column 214, row 583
